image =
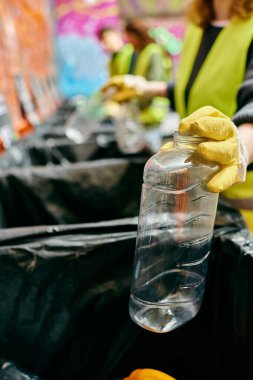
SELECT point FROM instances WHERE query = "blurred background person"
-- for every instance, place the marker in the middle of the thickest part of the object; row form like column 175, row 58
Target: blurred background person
column 150, row 61
column 112, row 41
column 146, row 59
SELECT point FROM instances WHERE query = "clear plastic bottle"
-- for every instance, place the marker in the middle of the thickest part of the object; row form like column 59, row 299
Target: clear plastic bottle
column 129, row 131
column 175, row 229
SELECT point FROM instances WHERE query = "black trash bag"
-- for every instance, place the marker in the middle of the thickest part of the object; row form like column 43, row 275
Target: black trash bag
column 64, row 294
column 45, row 133
column 60, row 116
column 62, row 151
column 228, row 217
column 76, row 193
column 228, row 308
column 59, row 151
column 58, row 146
column 64, row 298
column 38, row 151
column 218, row 342
column 21, row 153
column 9, row 371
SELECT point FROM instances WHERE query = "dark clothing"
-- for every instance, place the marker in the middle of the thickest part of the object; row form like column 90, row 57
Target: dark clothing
column 133, row 62
column 155, row 70
column 244, row 112
column 209, row 37
column 171, row 94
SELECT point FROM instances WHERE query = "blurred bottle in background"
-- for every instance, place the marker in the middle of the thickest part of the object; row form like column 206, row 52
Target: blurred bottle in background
column 130, row 133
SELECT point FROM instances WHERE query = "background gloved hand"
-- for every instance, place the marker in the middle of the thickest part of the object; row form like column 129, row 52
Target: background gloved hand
column 148, row 374
column 222, row 146
column 122, row 88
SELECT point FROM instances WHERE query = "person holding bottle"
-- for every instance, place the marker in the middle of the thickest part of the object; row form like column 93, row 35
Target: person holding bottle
column 216, row 70
column 150, row 61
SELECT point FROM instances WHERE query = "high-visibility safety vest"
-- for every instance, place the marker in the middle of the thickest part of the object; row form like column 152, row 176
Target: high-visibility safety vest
column 223, row 70
column 143, row 61
column 155, row 112
column 217, row 84
column 119, row 64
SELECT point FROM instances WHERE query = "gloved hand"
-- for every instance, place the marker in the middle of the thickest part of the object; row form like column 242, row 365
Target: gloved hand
column 121, row 88
column 222, row 146
column 148, row 374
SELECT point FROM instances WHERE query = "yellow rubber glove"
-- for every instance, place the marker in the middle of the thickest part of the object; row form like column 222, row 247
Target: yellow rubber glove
column 122, row 88
column 222, row 146
column 148, row 374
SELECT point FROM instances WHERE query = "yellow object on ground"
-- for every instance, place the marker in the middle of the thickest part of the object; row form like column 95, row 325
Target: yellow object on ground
column 148, row 374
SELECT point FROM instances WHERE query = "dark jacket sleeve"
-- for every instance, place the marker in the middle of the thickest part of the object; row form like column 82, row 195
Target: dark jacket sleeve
column 171, row 94
column 244, row 112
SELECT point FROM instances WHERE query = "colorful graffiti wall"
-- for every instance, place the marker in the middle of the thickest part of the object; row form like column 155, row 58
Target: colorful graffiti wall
column 82, row 62
column 151, row 8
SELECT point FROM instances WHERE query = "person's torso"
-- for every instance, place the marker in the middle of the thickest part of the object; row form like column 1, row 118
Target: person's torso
column 129, row 62
column 221, row 73
column 119, row 64
column 152, row 111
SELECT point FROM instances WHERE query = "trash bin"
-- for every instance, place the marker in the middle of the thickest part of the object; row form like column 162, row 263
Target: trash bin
column 64, row 298
column 64, row 294
column 75, row 193
column 9, row 371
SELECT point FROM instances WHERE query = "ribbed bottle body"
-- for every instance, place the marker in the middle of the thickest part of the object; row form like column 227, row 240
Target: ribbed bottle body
column 175, row 229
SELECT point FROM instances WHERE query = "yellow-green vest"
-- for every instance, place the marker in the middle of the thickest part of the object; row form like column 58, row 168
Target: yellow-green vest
column 142, row 63
column 224, row 64
column 118, row 64
column 158, row 108
column 218, row 81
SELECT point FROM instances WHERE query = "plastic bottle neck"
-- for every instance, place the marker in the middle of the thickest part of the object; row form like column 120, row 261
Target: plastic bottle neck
column 187, row 141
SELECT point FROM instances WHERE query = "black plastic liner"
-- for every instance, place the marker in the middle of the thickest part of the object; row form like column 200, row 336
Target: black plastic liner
column 9, row 371
column 59, row 150
column 58, row 146
column 64, row 294
column 64, row 288
column 74, row 193
column 64, row 298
